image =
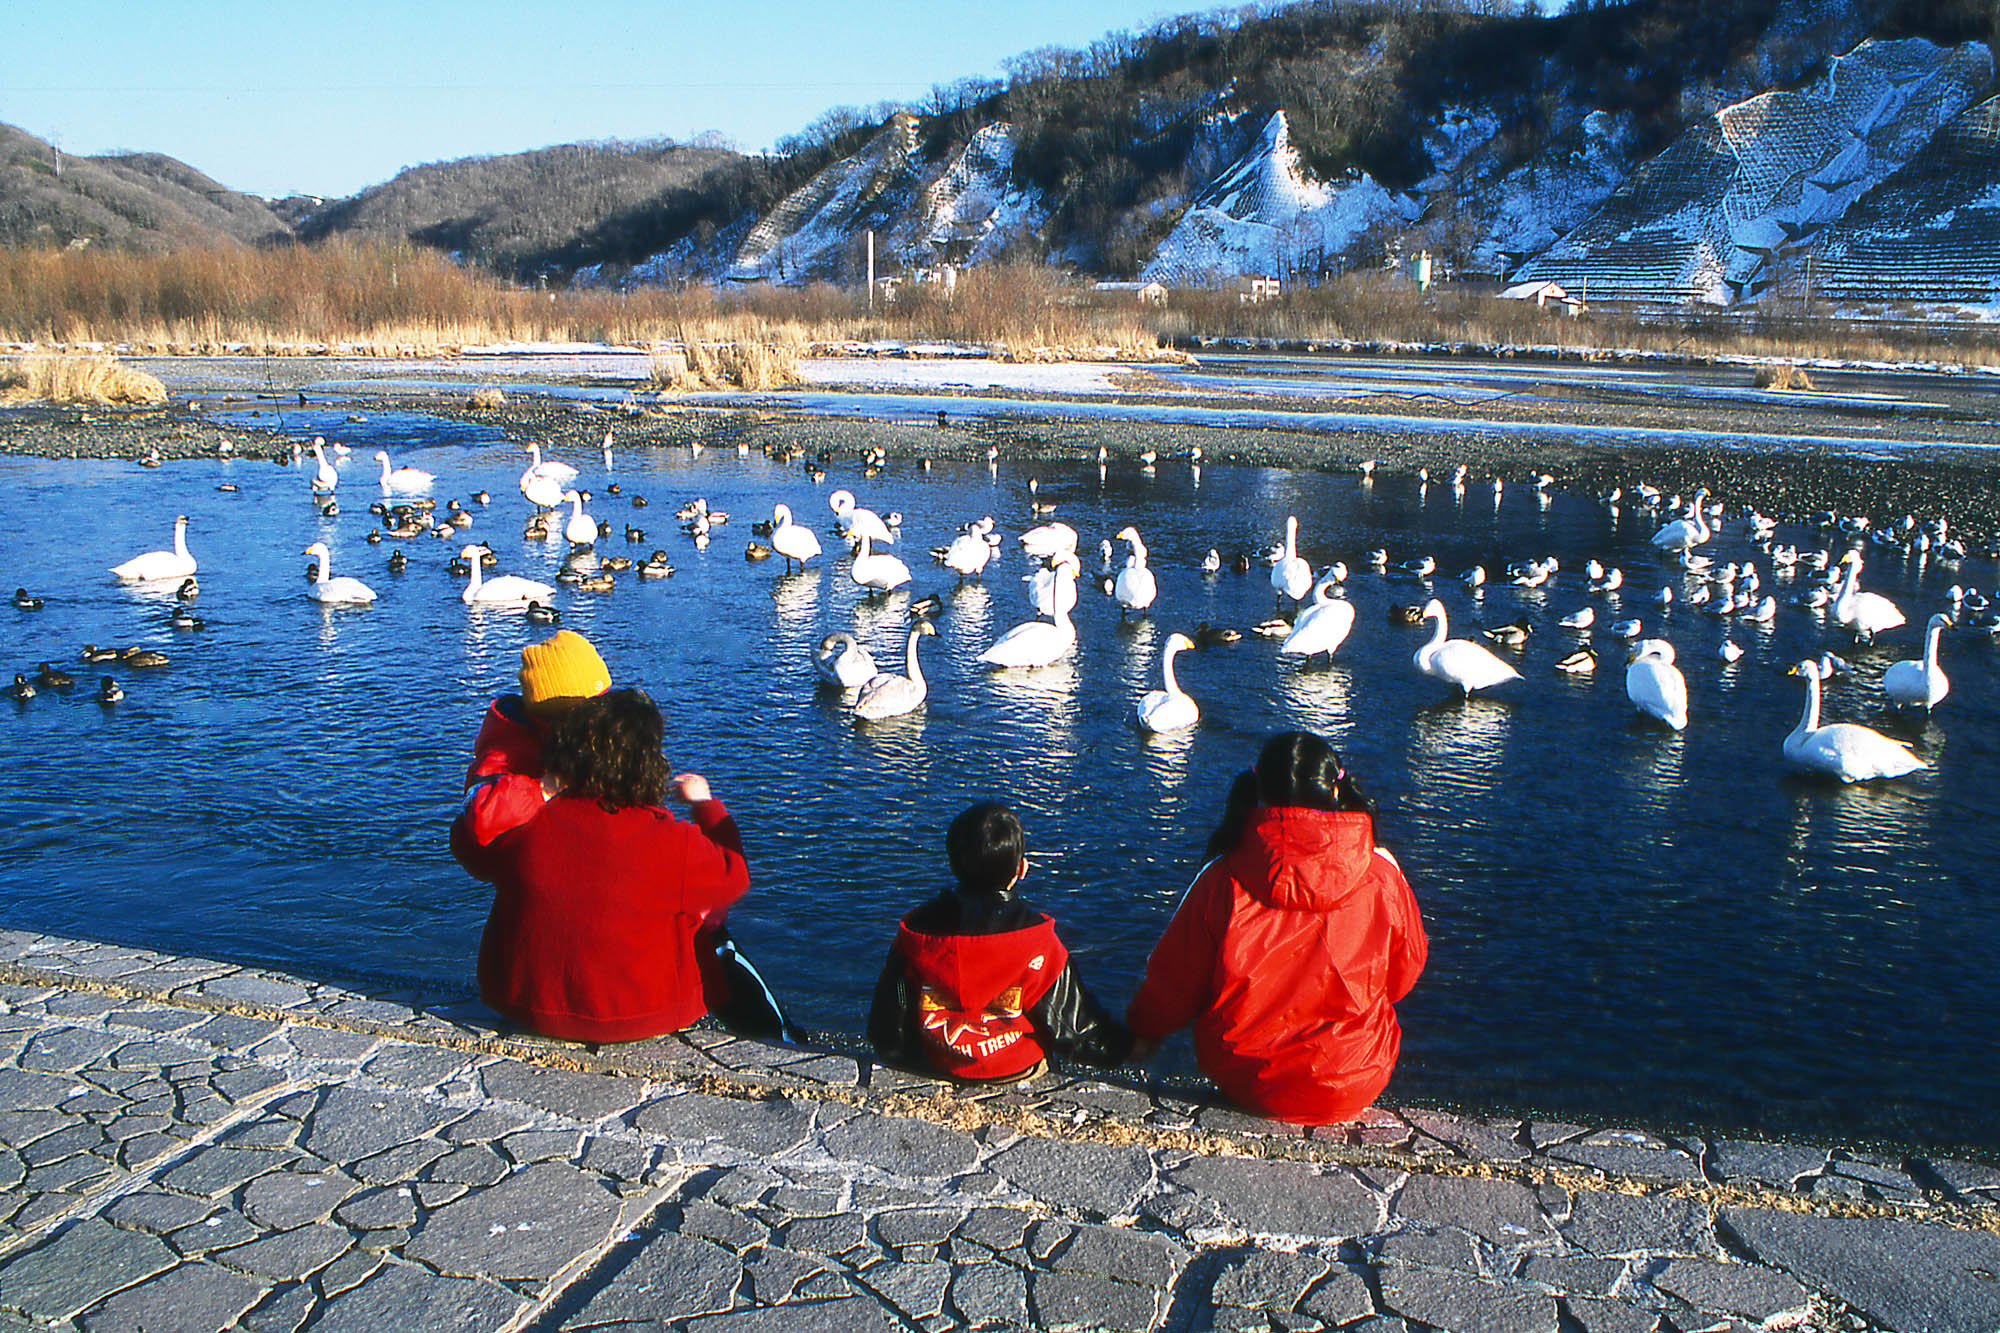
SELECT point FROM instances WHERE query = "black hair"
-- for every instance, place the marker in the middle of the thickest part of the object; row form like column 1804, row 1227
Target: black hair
column 1295, row 768
column 985, row 845
column 609, row 747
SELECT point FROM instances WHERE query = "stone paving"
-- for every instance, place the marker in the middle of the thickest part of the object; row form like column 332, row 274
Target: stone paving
column 188, row 1146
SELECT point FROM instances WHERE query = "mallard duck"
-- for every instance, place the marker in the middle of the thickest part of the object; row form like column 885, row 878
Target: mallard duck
column 143, row 657
column 541, row 613
column 757, row 551
column 182, row 618
column 50, row 677
column 600, row 582
column 1578, row 662
column 617, row 564
column 1509, row 636
column 188, row 591
column 1410, row 614
column 1214, row 636
column 92, row 653
column 398, row 562
column 657, row 566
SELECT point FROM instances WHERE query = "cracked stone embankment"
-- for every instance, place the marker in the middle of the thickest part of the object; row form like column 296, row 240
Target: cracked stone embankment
column 187, row 1144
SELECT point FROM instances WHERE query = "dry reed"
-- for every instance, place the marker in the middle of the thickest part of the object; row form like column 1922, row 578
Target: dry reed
column 78, row 377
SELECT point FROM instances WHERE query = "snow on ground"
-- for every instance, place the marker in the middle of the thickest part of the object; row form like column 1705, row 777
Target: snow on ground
column 1054, row 377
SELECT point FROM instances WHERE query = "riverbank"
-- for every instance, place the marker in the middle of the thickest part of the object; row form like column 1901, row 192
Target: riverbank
column 197, row 1145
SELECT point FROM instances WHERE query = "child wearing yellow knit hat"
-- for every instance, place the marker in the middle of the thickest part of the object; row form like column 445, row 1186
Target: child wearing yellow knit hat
column 503, row 787
column 558, row 671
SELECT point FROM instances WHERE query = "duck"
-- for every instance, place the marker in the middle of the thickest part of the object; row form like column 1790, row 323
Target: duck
column 1655, row 685
column 1627, row 629
column 1578, row 661
column 92, row 653
column 1406, row 614
column 143, row 657
column 886, row 695
column 1845, row 750
column 756, row 550
column 325, row 588
column 398, row 562
column 1582, row 619
column 1920, row 683
column 506, row 590
column 617, row 564
column 1291, row 576
column 159, row 566
column 1321, row 627
column 1215, row 636
column 1171, row 708
column 541, row 613
column 1212, row 562
column 51, row 677
column 1135, row 587
column 874, row 571
column 182, row 618
column 26, row 601
column 1039, row 643
column 600, row 582
column 841, row 660
column 403, row 480
column 22, row 689
column 1729, row 651
column 1511, row 635
column 109, row 691
column 794, row 541
column 1458, row 662
column 1865, row 613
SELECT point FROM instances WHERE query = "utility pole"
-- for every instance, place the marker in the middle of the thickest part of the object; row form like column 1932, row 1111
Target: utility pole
column 871, row 270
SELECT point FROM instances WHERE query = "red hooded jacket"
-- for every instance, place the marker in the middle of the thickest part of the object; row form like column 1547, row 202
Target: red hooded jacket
column 1287, row 955
column 503, row 787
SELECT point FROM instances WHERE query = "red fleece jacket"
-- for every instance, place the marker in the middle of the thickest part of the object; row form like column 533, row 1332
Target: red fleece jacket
column 1287, row 955
column 592, row 935
column 503, row 786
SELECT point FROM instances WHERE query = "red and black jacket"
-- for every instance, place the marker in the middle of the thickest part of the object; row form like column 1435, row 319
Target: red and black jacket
column 977, row 986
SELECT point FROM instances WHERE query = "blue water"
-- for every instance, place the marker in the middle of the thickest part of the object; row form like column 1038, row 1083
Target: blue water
column 1626, row 924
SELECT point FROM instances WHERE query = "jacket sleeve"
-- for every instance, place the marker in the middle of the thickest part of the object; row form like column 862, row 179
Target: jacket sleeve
column 1074, row 1026
column 713, row 871
column 1180, row 976
column 892, row 1018
column 1409, row 947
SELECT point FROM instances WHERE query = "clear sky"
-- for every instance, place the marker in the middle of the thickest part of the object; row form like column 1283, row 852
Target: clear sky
column 275, row 97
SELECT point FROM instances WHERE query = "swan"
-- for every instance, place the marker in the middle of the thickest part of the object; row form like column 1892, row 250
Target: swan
column 554, row 468
column 1866, row 613
column 159, row 566
column 1846, row 750
column 888, row 695
column 842, row 661
column 324, row 588
column 1170, row 709
column 1049, row 540
column 1321, row 627
column 403, row 480
column 794, row 541
column 324, row 478
column 1460, row 662
column 1135, row 587
column 1920, row 683
column 1655, row 685
column 855, row 523
column 1038, row 643
column 507, row 590
column 579, row 529
column 1684, row 534
column 876, row 572
column 543, row 483
column 1212, row 562
column 970, row 551
column 1291, row 576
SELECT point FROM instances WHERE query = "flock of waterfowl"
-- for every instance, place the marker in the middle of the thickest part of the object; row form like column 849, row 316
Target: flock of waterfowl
column 1322, row 623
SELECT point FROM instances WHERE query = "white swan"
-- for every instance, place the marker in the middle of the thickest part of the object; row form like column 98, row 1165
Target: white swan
column 856, row 523
column 1920, row 683
column 1291, row 576
column 878, row 573
column 1046, row 587
column 1038, row 642
column 1846, row 750
column 1170, row 709
column 325, row 588
column 842, row 661
column 1321, row 627
column 794, row 541
column 969, row 552
column 1866, row 613
column 1684, row 534
column 1049, row 540
column 1459, row 662
column 543, row 484
column 403, row 480
column 507, row 590
column 324, row 478
column 555, row 468
column 155, row 566
column 579, row 529
column 1135, row 587
column 1655, row 685
column 889, row 695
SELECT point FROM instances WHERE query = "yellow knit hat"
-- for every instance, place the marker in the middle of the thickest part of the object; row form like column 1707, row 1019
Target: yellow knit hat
column 560, row 670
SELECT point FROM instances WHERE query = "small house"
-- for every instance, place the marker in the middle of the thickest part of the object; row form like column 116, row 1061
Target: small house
column 1139, row 293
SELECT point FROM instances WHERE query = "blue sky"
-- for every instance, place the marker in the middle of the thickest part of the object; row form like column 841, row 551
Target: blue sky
column 282, row 98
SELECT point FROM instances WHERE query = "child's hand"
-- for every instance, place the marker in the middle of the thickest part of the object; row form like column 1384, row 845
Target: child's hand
column 689, row 787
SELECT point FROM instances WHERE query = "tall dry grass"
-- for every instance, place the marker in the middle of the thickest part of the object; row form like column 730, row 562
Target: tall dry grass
column 707, row 357
column 77, row 377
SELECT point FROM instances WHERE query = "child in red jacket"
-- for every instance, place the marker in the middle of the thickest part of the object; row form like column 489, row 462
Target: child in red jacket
column 977, row 986
column 1291, row 947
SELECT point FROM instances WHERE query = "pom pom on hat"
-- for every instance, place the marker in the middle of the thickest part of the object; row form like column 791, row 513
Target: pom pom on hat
column 560, row 670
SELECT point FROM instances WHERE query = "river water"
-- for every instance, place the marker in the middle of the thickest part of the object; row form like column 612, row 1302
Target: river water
column 1627, row 923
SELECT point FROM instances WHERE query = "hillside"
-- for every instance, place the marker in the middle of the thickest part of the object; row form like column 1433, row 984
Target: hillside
column 135, row 201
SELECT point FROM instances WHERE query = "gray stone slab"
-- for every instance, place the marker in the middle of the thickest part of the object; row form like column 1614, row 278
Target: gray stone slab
column 65, row 1050
column 24, row 1090
column 1503, row 1212
column 235, row 1032
column 419, row 1068
column 903, row 1227
column 529, row 1226
column 400, row 1162
column 670, row 1277
column 585, row 1098
column 315, row 1043
column 474, row 1164
column 835, row 1234
column 1283, row 1198
column 215, row 1171
column 996, row 1228
column 286, row 1199
column 903, row 1146
column 1572, row 1273
column 487, row 1124
column 990, row 1293
column 401, row 1296
column 1447, row 1247
column 285, row 1310
column 193, row 1298
column 852, row 1315
column 917, row 1290
column 1277, row 1279
column 1778, row 1165
column 347, row 1124
column 1099, row 1179
column 1614, row 1224
column 724, row 1226
column 1912, row 1277
column 1472, row 1138
column 1444, row 1299
column 73, row 1271
column 1342, row 1297
column 776, row 1273
column 156, row 1211
column 1629, row 1154
column 1116, row 1252
column 288, row 1255
column 350, row 1270
column 257, row 989
column 1089, row 1301
column 767, row 1127
column 1594, row 1314
column 378, row 1208
column 1749, row 1291
column 219, row 1230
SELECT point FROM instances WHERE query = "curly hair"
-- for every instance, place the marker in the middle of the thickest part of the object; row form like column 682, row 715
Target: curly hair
column 609, row 747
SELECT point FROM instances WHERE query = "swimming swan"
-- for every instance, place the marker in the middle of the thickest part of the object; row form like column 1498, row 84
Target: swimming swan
column 543, row 483
column 403, row 480
column 1655, row 685
column 1848, row 751
column 889, row 695
column 842, row 661
column 969, row 551
column 1170, row 709
column 158, row 566
column 1321, row 627
column 579, row 529
column 324, row 588
column 1684, row 534
column 506, row 590
column 1459, row 662
column 877, row 573
column 794, row 541
column 1920, row 683
column 1049, row 540
column 1135, row 587
column 1038, row 643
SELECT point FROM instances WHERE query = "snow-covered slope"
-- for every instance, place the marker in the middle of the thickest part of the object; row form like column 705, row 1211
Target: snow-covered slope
column 1265, row 215
column 967, row 212
column 810, row 235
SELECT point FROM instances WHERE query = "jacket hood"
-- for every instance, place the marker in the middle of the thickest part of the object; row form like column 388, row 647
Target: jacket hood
column 975, row 970
column 1301, row 859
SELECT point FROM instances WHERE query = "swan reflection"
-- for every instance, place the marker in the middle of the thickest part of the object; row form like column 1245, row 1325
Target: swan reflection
column 1320, row 699
column 795, row 597
column 1469, row 733
column 1163, row 755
